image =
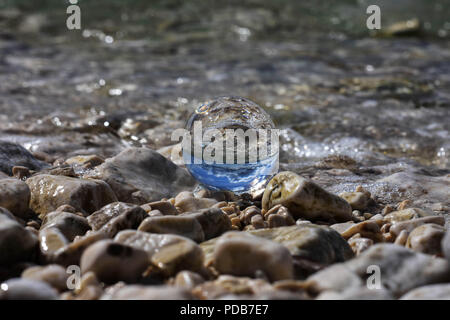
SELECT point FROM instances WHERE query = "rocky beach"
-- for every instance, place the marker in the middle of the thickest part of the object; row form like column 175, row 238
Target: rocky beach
column 96, row 202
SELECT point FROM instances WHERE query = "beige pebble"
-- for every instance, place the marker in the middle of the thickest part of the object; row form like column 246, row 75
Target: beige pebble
column 304, row 199
column 427, row 239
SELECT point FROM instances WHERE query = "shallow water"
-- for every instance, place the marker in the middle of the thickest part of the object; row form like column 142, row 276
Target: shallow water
column 136, row 71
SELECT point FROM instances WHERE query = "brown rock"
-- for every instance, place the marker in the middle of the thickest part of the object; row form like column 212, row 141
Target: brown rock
column 112, row 262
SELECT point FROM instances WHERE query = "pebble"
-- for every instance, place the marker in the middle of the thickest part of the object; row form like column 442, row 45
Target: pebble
column 401, row 271
column 431, row 292
column 307, row 243
column 48, row 192
column 27, row 289
column 12, row 154
column 70, row 253
column 368, row 229
column 405, row 214
column 186, row 226
column 111, row 261
column 69, row 224
column 138, row 292
column 50, row 241
column 186, row 202
column 357, row 200
column 52, row 274
column 242, row 254
column 165, row 207
column 410, row 225
column 115, row 217
column 305, row 199
column 15, row 196
column 88, row 160
column 427, row 239
column 214, row 221
column 141, row 175
column 16, row 243
column 170, row 253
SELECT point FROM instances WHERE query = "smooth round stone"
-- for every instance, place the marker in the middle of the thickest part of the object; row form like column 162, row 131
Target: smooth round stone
column 112, row 261
column 241, row 254
column 27, row 289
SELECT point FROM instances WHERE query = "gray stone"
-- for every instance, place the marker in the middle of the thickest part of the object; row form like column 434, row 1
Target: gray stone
column 69, row 224
column 12, row 154
column 241, row 254
column 186, row 226
column 426, row 238
column 141, row 175
column 431, row 292
column 15, row 196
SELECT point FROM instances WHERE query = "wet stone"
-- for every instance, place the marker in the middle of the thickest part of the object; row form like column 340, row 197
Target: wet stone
column 115, row 217
column 50, row 241
column 12, row 154
column 186, row 226
column 67, row 254
column 15, row 196
column 170, row 253
column 213, row 221
column 305, row 199
column 49, row 192
column 112, row 262
column 242, row 254
column 141, row 175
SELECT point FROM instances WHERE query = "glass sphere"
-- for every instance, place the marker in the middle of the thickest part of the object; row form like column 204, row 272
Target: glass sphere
column 233, row 145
